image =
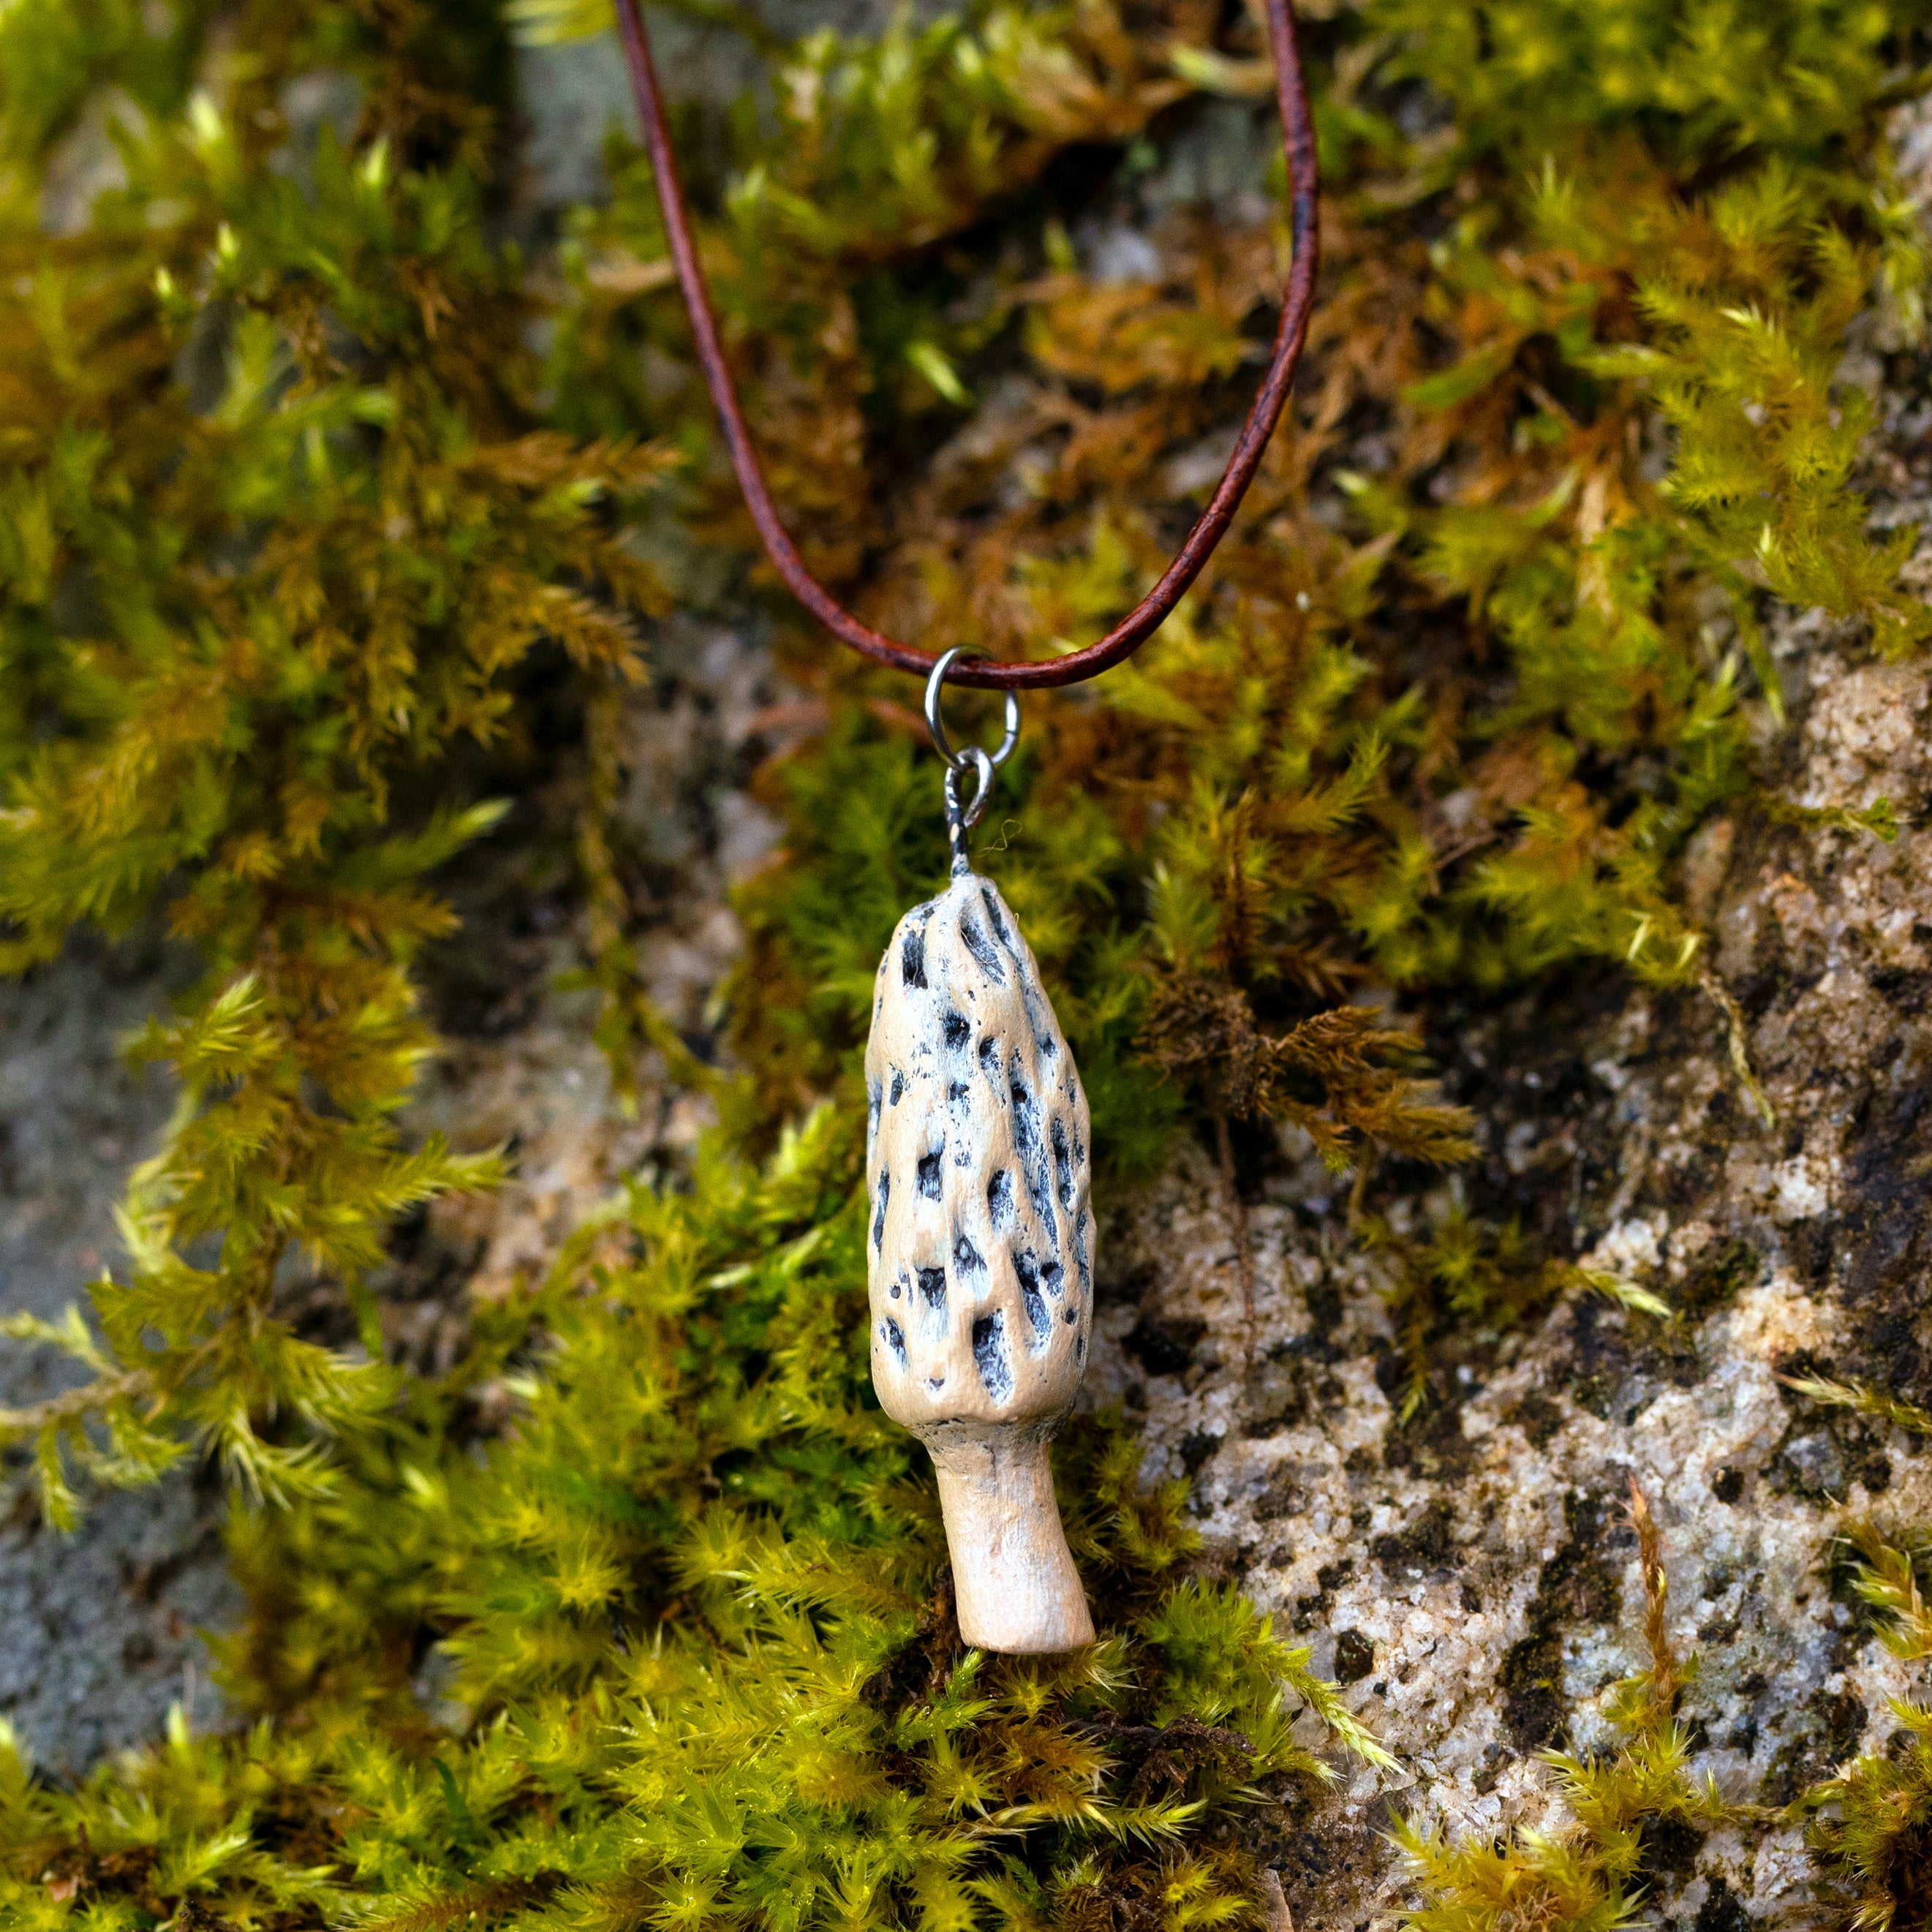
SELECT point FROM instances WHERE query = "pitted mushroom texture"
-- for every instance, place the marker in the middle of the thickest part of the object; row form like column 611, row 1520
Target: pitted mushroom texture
column 980, row 1244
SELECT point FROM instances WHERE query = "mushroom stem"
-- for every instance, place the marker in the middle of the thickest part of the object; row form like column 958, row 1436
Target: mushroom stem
column 1012, row 1574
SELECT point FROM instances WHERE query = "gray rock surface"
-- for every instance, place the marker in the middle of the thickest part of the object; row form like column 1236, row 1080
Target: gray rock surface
column 523, row 1069
column 100, row 1629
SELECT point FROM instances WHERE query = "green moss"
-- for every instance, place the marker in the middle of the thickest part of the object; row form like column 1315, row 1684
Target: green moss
column 296, row 499
column 1872, row 1820
column 696, row 1617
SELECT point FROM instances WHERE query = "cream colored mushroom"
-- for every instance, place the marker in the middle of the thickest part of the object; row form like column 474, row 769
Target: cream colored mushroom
column 980, row 1251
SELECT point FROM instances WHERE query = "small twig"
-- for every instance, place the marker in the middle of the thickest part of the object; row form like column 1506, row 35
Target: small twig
column 1665, row 1677
column 1358, row 1189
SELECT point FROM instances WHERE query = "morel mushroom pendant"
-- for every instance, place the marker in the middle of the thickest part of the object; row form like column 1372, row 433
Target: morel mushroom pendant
column 980, row 1243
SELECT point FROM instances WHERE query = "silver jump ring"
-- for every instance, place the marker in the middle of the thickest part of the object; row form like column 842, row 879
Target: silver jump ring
column 959, row 760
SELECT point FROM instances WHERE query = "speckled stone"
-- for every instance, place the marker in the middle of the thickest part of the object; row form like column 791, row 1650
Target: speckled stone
column 1471, row 1575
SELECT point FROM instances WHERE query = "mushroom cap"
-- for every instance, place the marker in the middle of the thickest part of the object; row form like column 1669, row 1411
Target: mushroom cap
column 979, row 1248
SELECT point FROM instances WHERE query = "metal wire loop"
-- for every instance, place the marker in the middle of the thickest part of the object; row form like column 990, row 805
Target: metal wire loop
column 970, row 813
column 936, row 724
column 962, row 815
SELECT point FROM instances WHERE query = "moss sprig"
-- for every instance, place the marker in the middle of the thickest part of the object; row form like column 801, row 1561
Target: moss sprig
column 1870, row 1823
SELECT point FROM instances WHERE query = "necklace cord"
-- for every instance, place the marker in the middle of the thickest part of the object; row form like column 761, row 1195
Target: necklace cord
column 1126, row 637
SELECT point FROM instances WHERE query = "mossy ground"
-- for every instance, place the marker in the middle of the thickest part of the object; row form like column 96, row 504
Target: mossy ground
column 334, row 525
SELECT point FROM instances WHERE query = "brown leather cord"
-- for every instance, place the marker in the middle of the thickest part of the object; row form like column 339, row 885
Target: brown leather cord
column 1298, row 141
